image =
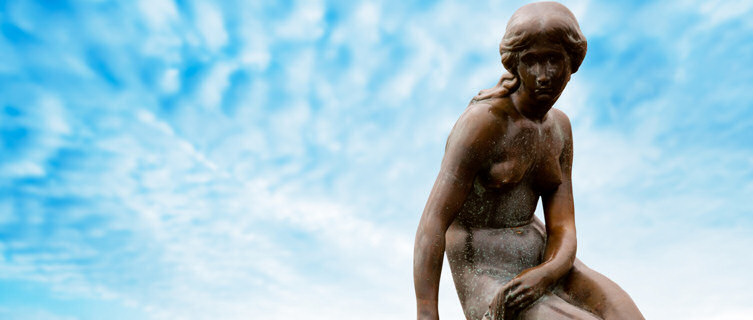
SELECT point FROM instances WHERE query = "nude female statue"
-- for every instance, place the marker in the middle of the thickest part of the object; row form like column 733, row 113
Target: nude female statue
column 506, row 150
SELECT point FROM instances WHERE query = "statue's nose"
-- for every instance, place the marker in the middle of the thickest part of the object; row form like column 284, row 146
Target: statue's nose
column 543, row 80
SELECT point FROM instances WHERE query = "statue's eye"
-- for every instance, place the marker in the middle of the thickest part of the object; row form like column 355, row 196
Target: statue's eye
column 529, row 59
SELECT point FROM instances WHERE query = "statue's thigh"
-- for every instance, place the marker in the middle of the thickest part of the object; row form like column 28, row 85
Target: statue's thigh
column 549, row 306
column 592, row 291
column 479, row 294
column 552, row 307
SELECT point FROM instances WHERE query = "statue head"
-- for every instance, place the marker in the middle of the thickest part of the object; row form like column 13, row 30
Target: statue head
column 539, row 24
column 551, row 21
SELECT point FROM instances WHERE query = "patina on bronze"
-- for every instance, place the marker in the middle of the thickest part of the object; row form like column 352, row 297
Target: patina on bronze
column 509, row 148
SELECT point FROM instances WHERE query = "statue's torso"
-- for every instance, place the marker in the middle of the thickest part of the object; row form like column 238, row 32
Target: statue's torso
column 493, row 237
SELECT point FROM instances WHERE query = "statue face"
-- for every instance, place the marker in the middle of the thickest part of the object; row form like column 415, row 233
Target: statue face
column 544, row 70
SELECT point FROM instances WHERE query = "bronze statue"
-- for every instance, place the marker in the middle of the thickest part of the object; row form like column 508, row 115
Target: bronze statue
column 509, row 148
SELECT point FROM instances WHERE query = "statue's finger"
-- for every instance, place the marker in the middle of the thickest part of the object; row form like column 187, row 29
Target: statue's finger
column 526, row 302
column 514, row 299
column 522, row 299
column 506, row 288
column 519, row 290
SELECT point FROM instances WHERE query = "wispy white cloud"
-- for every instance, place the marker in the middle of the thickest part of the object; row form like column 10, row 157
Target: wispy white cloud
column 210, row 24
column 304, row 22
column 160, row 14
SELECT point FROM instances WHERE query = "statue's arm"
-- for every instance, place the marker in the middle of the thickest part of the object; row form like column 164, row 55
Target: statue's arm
column 463, row 155
column 559, row 214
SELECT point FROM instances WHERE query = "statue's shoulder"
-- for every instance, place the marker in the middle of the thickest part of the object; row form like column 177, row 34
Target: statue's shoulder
column 559, row 115
column 488, row 111
column 562, row 121
column 480, row 123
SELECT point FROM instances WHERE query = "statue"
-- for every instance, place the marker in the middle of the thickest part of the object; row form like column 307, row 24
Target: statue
column 507, row 149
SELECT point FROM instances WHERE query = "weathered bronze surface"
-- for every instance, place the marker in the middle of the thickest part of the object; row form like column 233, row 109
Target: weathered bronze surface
column 509, row 148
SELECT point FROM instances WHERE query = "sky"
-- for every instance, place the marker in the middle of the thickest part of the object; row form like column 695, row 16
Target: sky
column 186, row 159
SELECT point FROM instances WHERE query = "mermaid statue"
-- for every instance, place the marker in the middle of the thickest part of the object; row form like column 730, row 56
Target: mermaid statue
column 507, row 150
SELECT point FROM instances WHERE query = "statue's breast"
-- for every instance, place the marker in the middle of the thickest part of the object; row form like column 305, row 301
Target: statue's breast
column 547, row 173
column 504, row 174
column 525, row 154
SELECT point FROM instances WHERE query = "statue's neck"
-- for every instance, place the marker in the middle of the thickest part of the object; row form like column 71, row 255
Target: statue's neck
column 529, row 107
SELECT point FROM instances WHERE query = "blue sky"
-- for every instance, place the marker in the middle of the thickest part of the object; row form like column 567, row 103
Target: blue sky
column 247, row 160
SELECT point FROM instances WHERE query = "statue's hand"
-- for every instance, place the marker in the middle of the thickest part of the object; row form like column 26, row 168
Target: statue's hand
column 525, row 289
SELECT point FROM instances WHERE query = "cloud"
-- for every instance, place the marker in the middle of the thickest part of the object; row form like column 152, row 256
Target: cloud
column 210, row 24
column 304, row 23
column 159, row 14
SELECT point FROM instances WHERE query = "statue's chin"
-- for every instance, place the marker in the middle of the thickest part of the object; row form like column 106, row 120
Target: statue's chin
column 545, row 97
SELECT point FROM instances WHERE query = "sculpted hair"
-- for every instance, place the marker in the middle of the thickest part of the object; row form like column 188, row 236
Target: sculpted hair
column 550, row 20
